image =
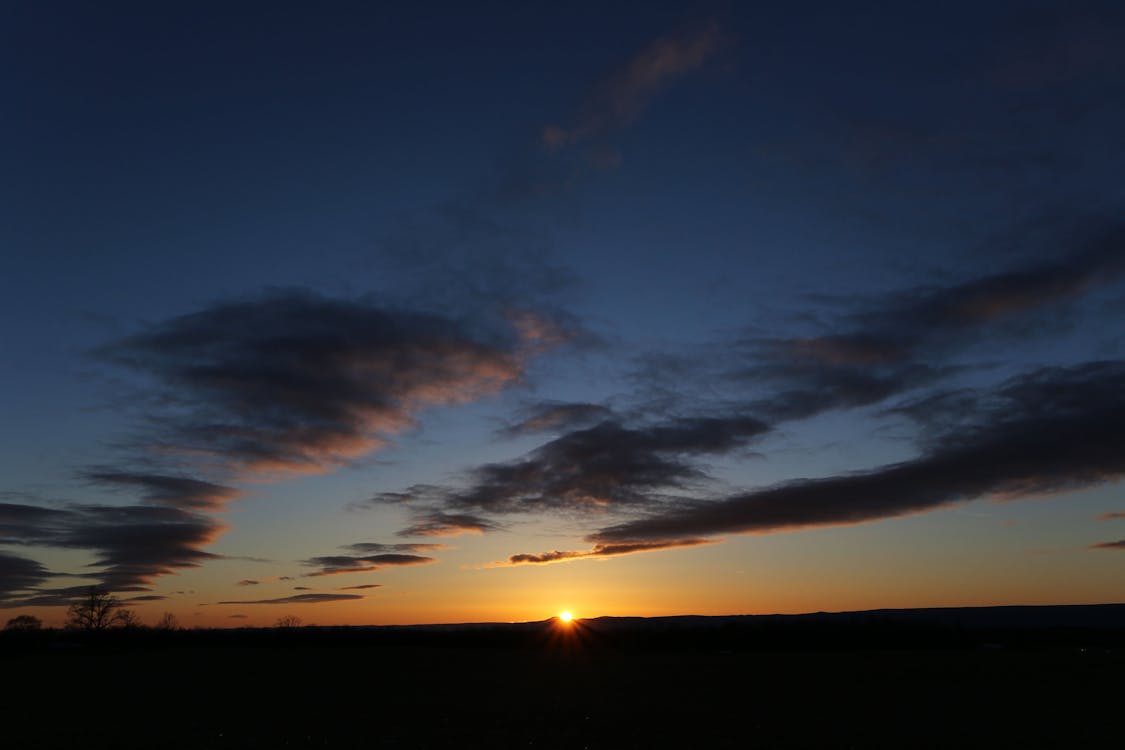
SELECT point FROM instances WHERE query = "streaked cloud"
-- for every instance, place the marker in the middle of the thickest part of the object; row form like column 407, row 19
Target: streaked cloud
column 1053, row 430
column 600, row 550
column 1120, row 544
column 607, row 465
column 440, row 524
column 622, row 96
column 554, row 416
column 294, row 382
column 19, row 575
column 302, row 599
column 163, row 489
column 133, row 545
column 330, row 565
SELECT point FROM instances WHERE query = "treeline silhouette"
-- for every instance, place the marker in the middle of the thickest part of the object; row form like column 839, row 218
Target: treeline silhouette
column 1093, row 626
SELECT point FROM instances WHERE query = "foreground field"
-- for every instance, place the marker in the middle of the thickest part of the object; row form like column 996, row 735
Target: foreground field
column 395, row 696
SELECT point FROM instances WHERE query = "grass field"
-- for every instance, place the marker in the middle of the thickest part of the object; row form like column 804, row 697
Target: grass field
column 395, row 696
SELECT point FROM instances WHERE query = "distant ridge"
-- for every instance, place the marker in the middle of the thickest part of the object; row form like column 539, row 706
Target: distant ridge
column 1006, row 616
column 1002, row 616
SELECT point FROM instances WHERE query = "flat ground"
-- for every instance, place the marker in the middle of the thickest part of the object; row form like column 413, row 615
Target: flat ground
column 418, row 697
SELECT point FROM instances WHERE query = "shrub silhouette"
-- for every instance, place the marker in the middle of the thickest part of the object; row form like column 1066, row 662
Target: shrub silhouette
column 24, row 623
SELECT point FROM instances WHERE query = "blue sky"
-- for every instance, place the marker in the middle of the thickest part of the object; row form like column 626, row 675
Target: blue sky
column 763, row 310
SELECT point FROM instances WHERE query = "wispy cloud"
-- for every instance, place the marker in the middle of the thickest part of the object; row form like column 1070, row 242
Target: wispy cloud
column 598, row 467
column 294, row 382
column 621, row 97
column 132, row 545
column 361, row 587
column 302, row 599
column 164, row 489
column 440, row 524
column 19, row 576
column 330, row 565
column 903, row 342
column 550, row 416
column 600, row 550
column 1052, row 430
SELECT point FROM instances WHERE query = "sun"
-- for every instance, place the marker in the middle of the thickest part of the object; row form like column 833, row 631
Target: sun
column 565, row 616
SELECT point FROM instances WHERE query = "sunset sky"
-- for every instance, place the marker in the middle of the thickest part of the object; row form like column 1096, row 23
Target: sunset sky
column 453, row 312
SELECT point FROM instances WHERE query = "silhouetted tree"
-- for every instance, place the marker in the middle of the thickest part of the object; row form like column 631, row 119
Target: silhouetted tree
column 127, row 618
column 288, row 621
column 168, row 622
column 99, row 610
column 24, row 623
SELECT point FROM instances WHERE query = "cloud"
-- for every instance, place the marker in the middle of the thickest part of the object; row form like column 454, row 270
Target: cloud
column 238, row 617
column 437, row 523
column 602, row 466
column 891, row 346
column 601, row 550
column 339, row 564
column 132, row 544
column 303, row 599
column 1053, row 430
column 294, row 382
column 1111, row 516
column 1120, row 544
column 619, row 99
column 361, row 587
column 247, row 582
column 147, row 598
column 553, row 416
column 301, row 588
column 19, row 575
column 162, row 489
column 376, row 547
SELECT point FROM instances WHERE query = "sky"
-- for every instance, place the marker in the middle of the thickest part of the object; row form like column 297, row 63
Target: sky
column 444, row 312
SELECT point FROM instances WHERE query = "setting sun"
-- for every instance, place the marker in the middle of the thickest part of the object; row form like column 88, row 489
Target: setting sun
column 565, row 616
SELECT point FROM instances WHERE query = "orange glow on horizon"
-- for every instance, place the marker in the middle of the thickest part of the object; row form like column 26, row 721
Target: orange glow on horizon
column 565, row 616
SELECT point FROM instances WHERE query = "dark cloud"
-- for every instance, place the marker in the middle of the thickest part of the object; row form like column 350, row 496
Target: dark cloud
column 21, row 523
column 162, row 489
column 297, row 382
column 131, row 544
column 19, row 575
column 602, row 466
column 1111, row 516
column 893, row 345
column 362, row 587
column 301, row 588
column 626, row 93
column 338, row 564
column 237, row 617
column 438, row 523
column 557, row 417
column 1120, row 544
column 303, row 599
column 1050, row 431
column 147, row 598
column 603, row 550
column 377, row 547
column 248, row 582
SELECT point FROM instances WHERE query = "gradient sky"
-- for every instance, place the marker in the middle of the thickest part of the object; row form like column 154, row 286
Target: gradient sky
column 375, row 314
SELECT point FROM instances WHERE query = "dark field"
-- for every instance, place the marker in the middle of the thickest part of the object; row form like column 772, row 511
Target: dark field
column 299, row 692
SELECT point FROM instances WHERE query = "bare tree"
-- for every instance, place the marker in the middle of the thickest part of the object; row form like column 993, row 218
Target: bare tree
column 99, row 610
column 288, row 621
column 24, row 623
column 168, row 622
